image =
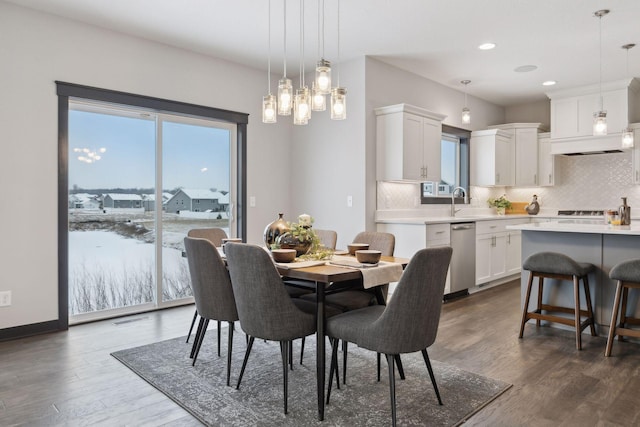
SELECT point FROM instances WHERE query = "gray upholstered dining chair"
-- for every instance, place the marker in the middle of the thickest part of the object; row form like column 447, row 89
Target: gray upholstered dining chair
column 409, row 323
column 360, row 298
column 265, row 309
column 212, row 292
column 215, row 236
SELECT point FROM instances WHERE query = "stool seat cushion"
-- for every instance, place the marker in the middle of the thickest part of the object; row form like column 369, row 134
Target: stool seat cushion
column 556, row 263
column 627, row 271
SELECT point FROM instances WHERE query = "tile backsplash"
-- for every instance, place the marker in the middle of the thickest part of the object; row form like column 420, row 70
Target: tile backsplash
column 592, row 182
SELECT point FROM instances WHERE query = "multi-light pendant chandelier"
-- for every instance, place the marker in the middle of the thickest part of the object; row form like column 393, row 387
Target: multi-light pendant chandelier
column 466, row 112
column 600, row 116
column 304, row 101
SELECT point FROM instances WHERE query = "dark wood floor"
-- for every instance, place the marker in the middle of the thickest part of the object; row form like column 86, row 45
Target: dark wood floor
column 69, row 378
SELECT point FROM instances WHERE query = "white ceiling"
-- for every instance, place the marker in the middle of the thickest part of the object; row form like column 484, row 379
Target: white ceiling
column 437, row 39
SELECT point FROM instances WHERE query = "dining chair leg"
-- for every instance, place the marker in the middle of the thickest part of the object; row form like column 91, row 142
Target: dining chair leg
column 399, row 365
column 229, row 350
column 284, row 350
column 614, row 319
column 344, row 362
column 378, row 359
column 334, row 366
column 291, row 356
column 193, row 322
column 425, row 356
column 196, row 338
column 201, row 338
column 302, row 349
column 392, row 387
column 244, row 362
column 525, row 308
column 219, row 327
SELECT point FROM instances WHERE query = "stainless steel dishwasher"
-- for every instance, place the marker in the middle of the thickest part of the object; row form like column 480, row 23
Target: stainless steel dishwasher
column 463, row 259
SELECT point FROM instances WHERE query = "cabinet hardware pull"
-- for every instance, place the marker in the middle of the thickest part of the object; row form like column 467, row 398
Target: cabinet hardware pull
column 509, row 238
column 535, row 178
column 439, row 232
column 549, row 178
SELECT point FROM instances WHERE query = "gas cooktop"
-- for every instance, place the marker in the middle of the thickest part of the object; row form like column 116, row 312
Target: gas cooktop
column 581, row 213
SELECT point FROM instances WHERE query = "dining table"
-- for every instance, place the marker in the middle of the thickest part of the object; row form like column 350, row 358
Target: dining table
column 325, row 275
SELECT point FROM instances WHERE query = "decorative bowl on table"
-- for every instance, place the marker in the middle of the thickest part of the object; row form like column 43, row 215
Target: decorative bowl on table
column 353, row 247
column 283, row 255
column 368, row 256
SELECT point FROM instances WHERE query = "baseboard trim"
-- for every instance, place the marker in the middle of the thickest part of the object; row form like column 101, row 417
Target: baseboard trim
column 30, row 330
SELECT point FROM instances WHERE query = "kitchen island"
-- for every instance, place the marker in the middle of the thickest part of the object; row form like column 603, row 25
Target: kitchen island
column 585, row 241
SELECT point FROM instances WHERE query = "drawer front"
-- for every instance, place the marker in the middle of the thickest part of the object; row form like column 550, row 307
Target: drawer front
column 485, row 227
column 438, row 232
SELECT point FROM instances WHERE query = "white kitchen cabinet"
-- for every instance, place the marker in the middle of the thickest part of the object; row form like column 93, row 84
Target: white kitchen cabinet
column 440, row 235
column 498, row 250
column 524, row 152
column 572, row 109
column 408, row 142
column 410, row 238
column 546, row 161
column 491, row 157
column 513, row 246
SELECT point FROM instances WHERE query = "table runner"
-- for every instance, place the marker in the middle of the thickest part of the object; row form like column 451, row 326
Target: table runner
column 380, row 274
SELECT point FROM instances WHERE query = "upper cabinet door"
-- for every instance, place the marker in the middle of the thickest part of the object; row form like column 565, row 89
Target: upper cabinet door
column 526, row 153
column 408, row 141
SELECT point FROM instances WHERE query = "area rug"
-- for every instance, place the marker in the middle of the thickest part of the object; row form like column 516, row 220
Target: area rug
column 202, row 389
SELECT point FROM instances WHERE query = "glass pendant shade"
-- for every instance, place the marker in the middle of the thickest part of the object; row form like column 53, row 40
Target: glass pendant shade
column 269, row 109
column 338, row 103
column 466, row 116
column 600, row 123
column 285, row 96
column 627, row 138
column 323, row 76
column 318, row 100
column 301, row 107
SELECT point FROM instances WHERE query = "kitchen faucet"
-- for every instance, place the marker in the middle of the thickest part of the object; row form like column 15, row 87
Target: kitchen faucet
column 453, row 201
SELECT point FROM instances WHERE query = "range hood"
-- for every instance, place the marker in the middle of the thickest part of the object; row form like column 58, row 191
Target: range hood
column 587, row 145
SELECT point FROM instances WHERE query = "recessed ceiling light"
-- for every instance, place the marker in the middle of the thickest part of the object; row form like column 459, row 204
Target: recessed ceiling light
column 549, row 83
column 486, row 46
column 525, row 68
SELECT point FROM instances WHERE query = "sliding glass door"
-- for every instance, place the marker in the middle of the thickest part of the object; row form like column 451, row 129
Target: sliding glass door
column 138, row 181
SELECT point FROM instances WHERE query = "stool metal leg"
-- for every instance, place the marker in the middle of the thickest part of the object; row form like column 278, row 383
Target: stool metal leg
column 576, row 294
column 526, row 304
column 614, row 320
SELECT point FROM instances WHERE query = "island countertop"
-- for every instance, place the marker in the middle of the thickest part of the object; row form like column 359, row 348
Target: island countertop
column 580, row 226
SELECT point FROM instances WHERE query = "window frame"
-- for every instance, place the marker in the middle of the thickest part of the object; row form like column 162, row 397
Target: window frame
column 67, row 91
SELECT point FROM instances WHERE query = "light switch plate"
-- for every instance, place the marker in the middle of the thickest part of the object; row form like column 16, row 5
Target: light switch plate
column 5, row 298
column 349, row 201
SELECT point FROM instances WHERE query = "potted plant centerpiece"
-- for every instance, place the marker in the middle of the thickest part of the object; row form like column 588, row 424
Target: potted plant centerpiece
column 501, row 204
column 300, row 236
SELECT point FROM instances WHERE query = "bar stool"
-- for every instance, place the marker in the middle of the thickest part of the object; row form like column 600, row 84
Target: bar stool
column 627, row 274
column 553, row 265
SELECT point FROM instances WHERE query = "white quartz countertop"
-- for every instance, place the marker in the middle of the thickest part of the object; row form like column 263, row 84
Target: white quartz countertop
column 447, row 219
column 591, row 226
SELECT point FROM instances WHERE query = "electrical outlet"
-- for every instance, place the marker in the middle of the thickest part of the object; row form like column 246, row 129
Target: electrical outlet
column 5, row 298
column 349, row 201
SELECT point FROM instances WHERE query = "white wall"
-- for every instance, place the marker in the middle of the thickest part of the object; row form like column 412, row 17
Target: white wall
column 328, row 163
column 535, row 112
column 35, row 50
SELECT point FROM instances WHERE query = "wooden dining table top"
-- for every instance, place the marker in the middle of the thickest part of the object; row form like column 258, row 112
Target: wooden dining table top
column 328, row 273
